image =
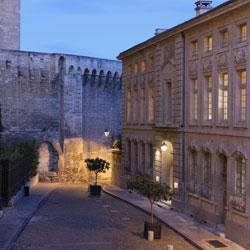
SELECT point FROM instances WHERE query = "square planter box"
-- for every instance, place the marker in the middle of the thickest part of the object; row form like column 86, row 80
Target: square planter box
column 155, row 227
column 95, row 190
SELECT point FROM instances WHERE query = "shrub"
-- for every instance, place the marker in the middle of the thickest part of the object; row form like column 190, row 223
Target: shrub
column 97, row 165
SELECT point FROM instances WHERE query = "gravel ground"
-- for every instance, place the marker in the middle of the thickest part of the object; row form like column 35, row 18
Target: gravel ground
column 71, row 220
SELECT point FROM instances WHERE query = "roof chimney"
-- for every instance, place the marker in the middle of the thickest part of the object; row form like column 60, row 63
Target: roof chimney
column 159, row 31
column 202, row 7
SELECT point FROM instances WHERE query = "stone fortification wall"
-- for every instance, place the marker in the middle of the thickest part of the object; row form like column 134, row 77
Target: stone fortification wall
column 10, row 24
column 65, row 102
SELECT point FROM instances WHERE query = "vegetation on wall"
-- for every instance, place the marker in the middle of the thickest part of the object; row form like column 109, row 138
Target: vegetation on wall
column 20, row 151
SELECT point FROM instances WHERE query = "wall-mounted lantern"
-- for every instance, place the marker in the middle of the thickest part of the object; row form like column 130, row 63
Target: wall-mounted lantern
column 164, row 147
column 106, row 133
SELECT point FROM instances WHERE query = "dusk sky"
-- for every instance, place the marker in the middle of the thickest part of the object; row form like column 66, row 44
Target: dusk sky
column 97, row 28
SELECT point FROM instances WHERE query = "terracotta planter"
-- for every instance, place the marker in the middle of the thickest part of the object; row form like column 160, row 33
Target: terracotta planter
column 95, row 190
column 155, row 227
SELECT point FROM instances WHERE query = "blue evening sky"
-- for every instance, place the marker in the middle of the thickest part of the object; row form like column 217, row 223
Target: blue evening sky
column 97, row 28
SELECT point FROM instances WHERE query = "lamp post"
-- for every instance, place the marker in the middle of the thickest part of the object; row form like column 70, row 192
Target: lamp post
column 106, row 133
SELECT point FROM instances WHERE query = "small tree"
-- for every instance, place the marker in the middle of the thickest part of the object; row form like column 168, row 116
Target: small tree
column 154, row 191
column 97, row 165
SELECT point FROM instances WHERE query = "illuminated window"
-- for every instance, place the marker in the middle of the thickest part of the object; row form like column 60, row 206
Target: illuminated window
column 193, row 174
column 168, row 102
column 129, row 106
column 143, row 105
column 195, row 99
column 240, row 176
column 135, row 108
column 151, row 104
column 223, row 97
column 243, row 32
column 243, row 94
column 208, row 43
column 136, row 68
column 209, row 98
column 224, row 39
column 143, row 66
column 129, row 70
column 195, row 48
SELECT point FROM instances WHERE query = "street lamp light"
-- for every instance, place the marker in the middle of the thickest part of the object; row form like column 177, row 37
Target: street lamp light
column 106, row 133
column 164, row 147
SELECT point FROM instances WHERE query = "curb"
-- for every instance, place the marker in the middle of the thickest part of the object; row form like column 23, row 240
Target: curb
column 14, row 236
column 163, row 222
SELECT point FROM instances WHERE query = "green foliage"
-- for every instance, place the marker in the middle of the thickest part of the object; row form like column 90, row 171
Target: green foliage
column 154, row 191
column 97, row 165
column 20, row 151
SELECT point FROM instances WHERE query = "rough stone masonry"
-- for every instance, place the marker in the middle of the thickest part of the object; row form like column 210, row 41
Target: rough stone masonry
column 65, row 102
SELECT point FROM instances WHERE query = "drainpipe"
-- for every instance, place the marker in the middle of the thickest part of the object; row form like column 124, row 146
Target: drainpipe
column 183, row 119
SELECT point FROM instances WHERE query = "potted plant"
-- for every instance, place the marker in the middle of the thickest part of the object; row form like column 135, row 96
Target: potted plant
column 97, row 165
column 154, row 191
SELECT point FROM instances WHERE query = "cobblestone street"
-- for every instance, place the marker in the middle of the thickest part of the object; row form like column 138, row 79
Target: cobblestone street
column 71, row 220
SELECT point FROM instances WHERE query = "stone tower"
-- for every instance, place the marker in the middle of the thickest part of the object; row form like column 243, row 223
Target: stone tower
column 10, row 24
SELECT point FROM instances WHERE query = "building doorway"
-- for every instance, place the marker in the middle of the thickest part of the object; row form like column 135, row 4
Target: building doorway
column 222, row 188
column 167, row 165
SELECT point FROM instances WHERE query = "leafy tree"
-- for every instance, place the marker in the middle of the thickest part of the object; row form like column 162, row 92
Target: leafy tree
column 97, row 165
column 154, row 191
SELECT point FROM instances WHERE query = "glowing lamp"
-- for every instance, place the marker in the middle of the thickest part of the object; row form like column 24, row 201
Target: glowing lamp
column 164, row 147
column 106, row 132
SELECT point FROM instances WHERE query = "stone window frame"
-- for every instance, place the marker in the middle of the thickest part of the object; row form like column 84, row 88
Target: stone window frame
column 206, row 105
column 136, row 68
column 223, row 46
column 191, row 42
column 220, row 109
column 192, row 93
column 143, row 66
column 207, row 48
column 206, row 185
column 150, row 98
column 238, row 42
column 129, row 105
column 168, row 101
column 129, row 70
column 143, row 104
column 193, row 176
column 237, row 102
column 238, row 200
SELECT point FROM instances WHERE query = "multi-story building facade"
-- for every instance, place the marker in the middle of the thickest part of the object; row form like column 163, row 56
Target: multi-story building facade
column 188, row 87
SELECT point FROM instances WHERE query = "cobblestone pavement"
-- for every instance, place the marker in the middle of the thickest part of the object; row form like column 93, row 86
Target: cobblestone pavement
column 70, row 220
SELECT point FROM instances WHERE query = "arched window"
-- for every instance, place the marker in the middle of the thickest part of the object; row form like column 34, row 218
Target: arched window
column 206, row 185
column 101, row 77
column 86, row 76
column 79, row 71
column 71, row 70
column 193, row 172
column 93, row 77
column 240, row 176
column 108, row 77
column 116, row 77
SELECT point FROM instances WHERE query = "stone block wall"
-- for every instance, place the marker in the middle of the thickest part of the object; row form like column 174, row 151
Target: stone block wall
column 10, row 24
column 64, row 101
